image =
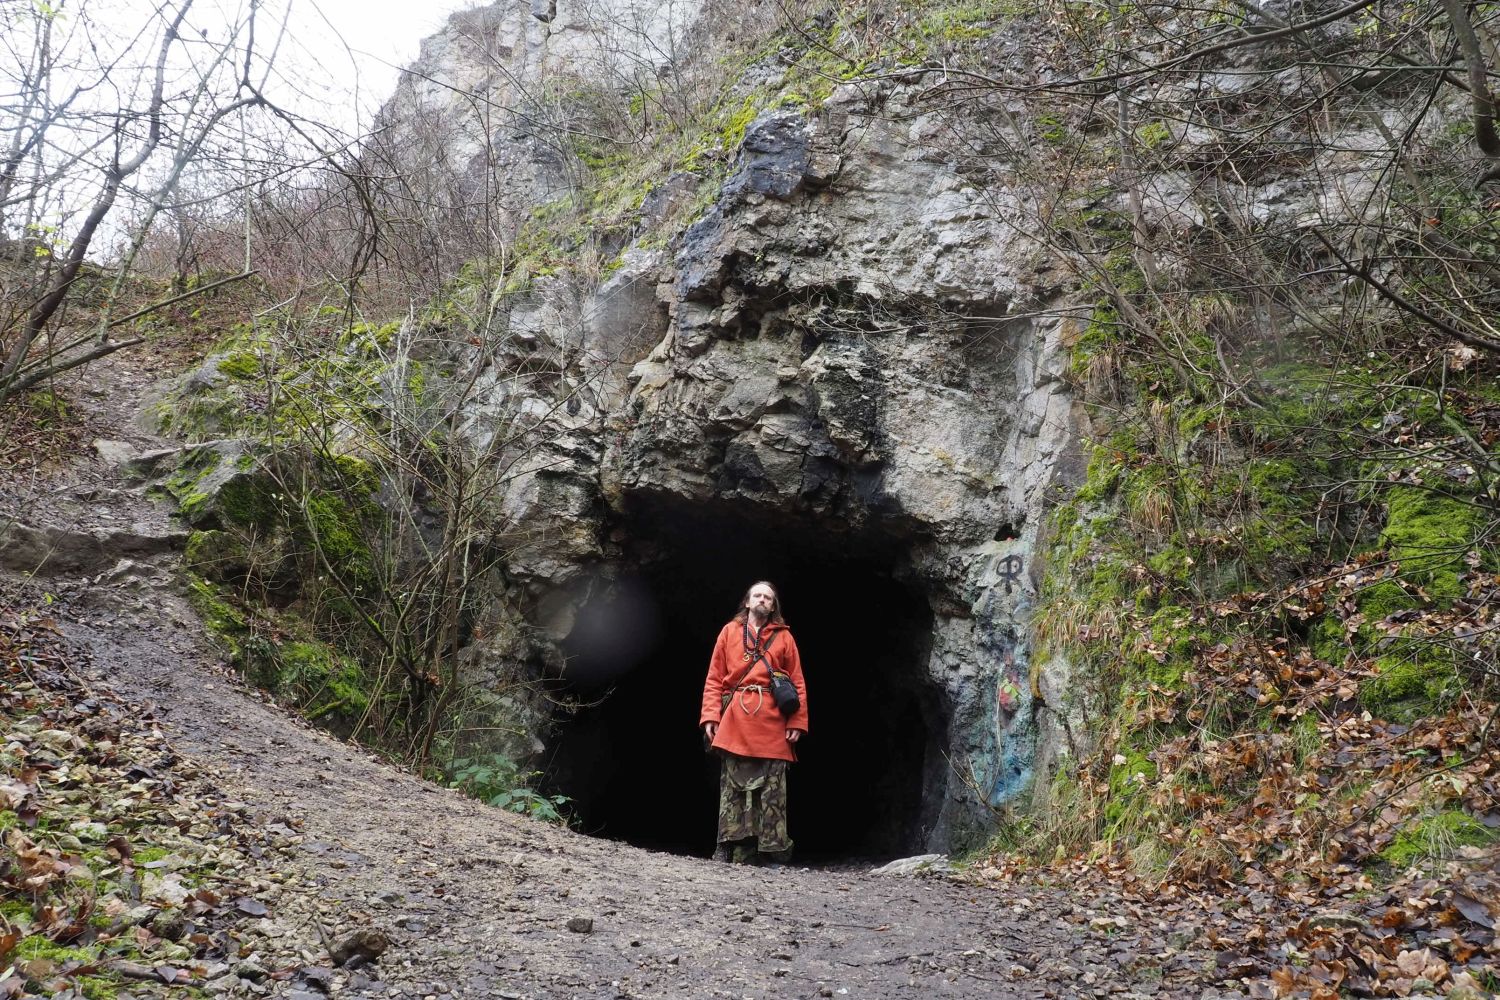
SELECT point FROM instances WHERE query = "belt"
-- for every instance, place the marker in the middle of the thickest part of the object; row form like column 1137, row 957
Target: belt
column 758, row 690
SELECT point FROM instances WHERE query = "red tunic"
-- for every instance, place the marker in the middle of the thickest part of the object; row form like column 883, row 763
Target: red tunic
column 753, row 726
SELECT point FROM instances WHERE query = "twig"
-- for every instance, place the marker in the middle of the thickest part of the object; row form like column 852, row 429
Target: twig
column 1400, row 301
column 185, row 295
column 133, row 970
column 22, row 384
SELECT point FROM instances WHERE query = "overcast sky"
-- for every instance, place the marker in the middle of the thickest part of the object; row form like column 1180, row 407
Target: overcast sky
column 331, row 62
column 346, row 50
column 334, row 56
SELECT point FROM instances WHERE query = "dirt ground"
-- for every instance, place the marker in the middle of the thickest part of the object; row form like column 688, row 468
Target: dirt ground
column 478, row 902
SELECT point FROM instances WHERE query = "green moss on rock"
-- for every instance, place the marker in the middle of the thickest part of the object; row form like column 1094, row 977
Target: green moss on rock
column 223, row 620
column 205, row 409
column 1273, row 483
column 1381, row 600
column 240, row 365
column 246, row 499
column 1171, row 564
column 334, row 528
column 306, row 660
column 186, row 484
column 216, row 555
column 371, row 338
column 1437, row 836
column 1407, row 687
column 1428, row 534
column 327, row 681
column 317, row 677
column 219, row 486
column 1328, row 639
column 1312, row 400
column 355, row 476
column 1103, row 478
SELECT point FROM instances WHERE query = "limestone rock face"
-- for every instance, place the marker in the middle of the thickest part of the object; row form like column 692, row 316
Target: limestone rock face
column 488, row 91
column 845, row 340
column 852, row 339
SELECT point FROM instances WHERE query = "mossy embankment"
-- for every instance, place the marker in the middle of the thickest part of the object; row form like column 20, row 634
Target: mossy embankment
column 1281, row 595
column 1277, row 584
column 344, row 549
column 285, row 559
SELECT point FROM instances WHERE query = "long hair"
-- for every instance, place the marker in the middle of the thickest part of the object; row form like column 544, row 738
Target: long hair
column 744, row 611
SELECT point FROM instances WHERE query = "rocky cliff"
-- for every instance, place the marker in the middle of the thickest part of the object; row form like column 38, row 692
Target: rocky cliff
column 850, row 347
column 1050, row 397
column 499, row 90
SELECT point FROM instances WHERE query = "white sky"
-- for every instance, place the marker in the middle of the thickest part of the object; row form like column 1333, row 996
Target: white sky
column 381, row 37
column 334, row 57
column 333, row 62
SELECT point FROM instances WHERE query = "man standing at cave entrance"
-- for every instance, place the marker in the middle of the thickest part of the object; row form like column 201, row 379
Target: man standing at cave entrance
column 753, row 722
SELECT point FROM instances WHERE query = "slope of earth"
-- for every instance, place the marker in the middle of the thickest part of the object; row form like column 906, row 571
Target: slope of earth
column 64, row 507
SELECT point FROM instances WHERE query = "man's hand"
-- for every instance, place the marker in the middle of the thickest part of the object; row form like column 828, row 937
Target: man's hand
column 709, row 729
column 793, row 735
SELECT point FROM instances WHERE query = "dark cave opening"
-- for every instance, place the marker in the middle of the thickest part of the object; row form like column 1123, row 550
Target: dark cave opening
column 869, row 778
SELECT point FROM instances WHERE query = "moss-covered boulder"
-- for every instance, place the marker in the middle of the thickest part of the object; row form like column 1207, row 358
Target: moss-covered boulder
column 224, row 484
column 220, row 556
column 1428, row 533
column 210, row 402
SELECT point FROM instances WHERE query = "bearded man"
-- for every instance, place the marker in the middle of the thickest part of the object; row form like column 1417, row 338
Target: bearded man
column 755, row 738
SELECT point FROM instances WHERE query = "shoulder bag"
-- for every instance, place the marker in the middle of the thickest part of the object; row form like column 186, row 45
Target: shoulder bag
column 783, row 691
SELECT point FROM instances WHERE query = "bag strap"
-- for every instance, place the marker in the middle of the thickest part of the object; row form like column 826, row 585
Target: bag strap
column 739, row 677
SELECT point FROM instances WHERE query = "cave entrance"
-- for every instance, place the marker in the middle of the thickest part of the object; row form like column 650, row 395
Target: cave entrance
column 870, row 776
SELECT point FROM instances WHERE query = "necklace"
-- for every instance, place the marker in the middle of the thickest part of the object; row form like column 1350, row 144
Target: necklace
column 752, row 648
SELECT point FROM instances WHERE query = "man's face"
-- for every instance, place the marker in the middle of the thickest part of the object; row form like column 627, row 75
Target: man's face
column 761, row 600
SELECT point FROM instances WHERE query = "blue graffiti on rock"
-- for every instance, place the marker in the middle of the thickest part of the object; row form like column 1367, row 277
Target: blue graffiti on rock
column 1008, row 747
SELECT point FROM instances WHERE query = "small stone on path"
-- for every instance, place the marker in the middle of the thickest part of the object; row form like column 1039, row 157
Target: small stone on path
column 915, row 865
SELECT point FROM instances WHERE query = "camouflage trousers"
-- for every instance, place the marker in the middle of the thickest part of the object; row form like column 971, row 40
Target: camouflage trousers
column 752, row 804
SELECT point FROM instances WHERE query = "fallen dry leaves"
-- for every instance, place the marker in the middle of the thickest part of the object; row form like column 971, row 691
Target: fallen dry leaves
column 118, row 861
column 1271, row 807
